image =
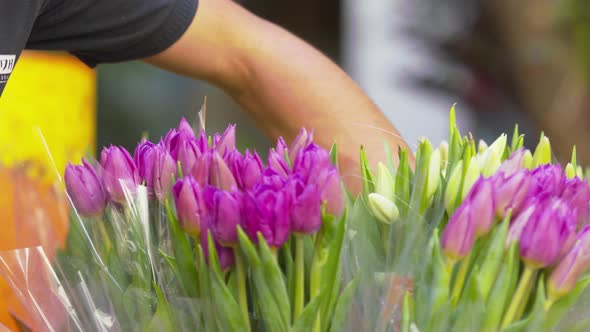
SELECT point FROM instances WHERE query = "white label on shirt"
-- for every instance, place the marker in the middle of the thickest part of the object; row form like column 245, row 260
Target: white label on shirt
column 7, row 63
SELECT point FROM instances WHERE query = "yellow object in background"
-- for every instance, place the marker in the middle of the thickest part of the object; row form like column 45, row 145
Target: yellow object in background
column 52, row 94
column 56, row 94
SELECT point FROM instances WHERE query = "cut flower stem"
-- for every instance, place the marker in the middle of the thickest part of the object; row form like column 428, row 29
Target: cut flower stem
column 460, row 279
column 299, row 276
column 243, row 295
column 314, row 288
column 520, row 297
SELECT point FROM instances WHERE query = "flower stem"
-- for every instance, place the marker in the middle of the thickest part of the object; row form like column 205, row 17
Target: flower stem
column 299, row 277
column 520, row 297
column 104, row 234
column 314, row 288
column 460, row 280
column 243, row 297
column 548, row 303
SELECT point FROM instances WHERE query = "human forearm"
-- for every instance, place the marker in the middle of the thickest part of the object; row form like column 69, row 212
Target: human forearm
column 290, row 85
column 282, row 82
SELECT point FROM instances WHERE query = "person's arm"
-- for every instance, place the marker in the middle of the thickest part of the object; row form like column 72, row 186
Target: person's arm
column 282, row 82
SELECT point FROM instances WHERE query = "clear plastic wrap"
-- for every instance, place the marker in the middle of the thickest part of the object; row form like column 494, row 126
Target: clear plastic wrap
column 131, row 260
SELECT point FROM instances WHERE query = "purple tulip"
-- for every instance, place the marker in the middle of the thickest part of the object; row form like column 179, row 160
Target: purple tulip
column 305, row 214
column 565, row 276
column 220, row 175
column 577, row 193
column 190, row 205
column 276, row 161
column 266, row 211
column 481, row 200
column 311, row 162
column 331, row 191
column 226, row 143
column 530, row 211
column 164, row 170
column 203, row 142
column 251, row 170
column 273, row 179
column 246, row 169
column 281, row 147
column 119, row 172
column 513, row 164
column 459, row 234
column 167, row 140
column 184, row 125
column 225, row 255
column 202, row 169
column 156, row 167
column 144, row 157
column 547, row 178
column 544, row 235
column 511, row 191
column 85, row 189
column 184, row 148
column 225, row 214
column 303, row 139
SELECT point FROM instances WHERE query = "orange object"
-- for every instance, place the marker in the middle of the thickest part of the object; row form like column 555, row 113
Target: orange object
column 47, row 117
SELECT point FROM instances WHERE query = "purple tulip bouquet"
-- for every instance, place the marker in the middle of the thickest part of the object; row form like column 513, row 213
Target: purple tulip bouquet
column 493, row 238
column 191, row 234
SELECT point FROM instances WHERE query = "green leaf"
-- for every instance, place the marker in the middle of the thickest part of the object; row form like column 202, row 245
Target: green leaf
column 344, row 304
column 442, row 277
column 537, row 313
column 172, row 263
column 139, row 304
column 471, row 308
column 561, row 307
column 163, row 319
column 227, row 308
column 264, row 298
column 184, row 255
column 334, row 155
column 306, row 320
column 365, row 238
column 403, row 179
column 502, row 291
column 417, row 198
column 232, row 284
column 208, row 316
column 407, row 312
column 582, row 325
column 389, row 157
column 368, row 177
column 515, row 139
column 331, row 272
column 574, row 161
column 289, row 267
column 519, row 326
column 455, row 143
column 247, row 248
column 274, row 279
column 494, row 257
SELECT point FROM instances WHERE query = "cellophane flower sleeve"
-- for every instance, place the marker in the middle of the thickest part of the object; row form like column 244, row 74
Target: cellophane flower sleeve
column 189, row 234
column 473, row 238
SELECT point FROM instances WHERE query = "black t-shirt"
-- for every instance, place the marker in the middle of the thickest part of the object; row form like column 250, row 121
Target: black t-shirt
column 96, row 31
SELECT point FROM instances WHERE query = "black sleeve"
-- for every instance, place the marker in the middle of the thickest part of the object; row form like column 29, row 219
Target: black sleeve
column 111, row 30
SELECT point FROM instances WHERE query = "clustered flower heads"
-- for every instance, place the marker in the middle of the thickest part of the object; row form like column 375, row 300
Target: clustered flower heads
column 549, row 213
column 219, row 188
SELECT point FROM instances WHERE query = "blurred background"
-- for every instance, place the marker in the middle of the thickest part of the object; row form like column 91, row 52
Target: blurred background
column 501, row 62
